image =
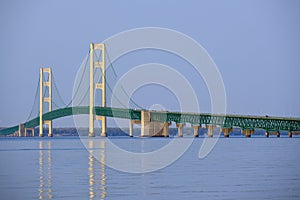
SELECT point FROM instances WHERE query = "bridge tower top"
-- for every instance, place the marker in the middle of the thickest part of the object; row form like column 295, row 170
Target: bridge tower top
column 99, row 85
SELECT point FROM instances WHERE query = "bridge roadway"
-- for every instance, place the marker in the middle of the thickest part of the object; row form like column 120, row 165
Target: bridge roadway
column 225, row 121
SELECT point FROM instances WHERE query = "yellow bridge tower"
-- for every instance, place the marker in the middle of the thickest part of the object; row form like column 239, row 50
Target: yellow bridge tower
column 48, row 99
column 99, row 85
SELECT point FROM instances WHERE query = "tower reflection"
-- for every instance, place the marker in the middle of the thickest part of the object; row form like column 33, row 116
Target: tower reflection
column 45, row 179
column 96, row 171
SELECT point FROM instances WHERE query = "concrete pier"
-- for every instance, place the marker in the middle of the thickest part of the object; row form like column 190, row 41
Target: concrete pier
column 180, row 132
column 153, row 129
column 130, row 128
column 277, row 134
column 210, row 128
column 267, row 134
column 131, row 123
column 226, row 131
column 145, row 123
column 32, row 131
column 21, row 131
column 248, row 132
column 165, row 132
column 196, row 130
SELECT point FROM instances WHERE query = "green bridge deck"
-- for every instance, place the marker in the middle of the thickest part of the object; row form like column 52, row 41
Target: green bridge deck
column 244, row 122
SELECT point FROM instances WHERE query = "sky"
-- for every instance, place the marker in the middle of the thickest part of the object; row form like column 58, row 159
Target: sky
column 255, row 45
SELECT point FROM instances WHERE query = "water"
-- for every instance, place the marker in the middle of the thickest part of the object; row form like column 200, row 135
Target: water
column 61, row 168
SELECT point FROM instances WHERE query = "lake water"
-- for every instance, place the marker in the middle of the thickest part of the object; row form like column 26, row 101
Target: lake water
column 237, row 168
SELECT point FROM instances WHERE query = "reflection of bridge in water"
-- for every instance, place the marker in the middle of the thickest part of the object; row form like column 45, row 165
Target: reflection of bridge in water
column 96, row 185
column 153, row 123
column 45, row 161
column 97, row 177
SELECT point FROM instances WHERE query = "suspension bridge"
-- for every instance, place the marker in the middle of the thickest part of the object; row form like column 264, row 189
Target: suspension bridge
column 153, row 123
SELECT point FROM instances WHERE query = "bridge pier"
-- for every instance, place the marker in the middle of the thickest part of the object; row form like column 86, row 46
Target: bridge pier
column 145, row 123
column 131, row 123
column 277, row 134
column 31, row 130
column 248, row 132
column 210, row 128
column 226, row 131
column 91, row 134
column 166, row 129
column 267, row 134
column 153, row 129
column 180, row 127
column 196, row 130
column 21, row 131
column 130, row 128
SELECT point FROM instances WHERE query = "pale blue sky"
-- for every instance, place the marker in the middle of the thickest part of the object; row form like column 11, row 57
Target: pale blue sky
column 254, row 43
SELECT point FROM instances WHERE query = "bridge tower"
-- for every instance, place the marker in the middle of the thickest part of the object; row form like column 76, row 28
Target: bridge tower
column 48, row 99
column 99, row 85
